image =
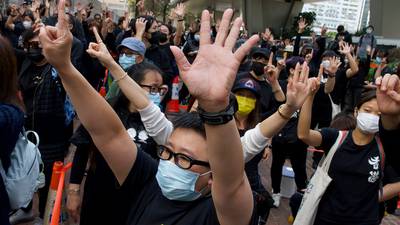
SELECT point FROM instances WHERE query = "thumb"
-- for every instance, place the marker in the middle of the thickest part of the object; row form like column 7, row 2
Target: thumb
column 181, row 60
column 44, row 37
column 93, row 53
column 320, row 72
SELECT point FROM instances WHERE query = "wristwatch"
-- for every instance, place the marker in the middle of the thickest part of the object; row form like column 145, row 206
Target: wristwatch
column 222, row 117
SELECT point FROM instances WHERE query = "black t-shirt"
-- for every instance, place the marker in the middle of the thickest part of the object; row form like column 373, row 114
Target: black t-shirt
column 339, row 91
column 266, row 95
column 150, row 207
column 352, row 196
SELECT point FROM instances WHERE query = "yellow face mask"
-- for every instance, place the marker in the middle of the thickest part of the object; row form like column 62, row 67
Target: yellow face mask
column 246, row 105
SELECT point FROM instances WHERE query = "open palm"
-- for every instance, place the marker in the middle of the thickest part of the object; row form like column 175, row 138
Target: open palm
column 299, row 87
column 212, row 74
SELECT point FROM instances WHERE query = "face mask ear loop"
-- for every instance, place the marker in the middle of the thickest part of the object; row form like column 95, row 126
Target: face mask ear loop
column 204, row 189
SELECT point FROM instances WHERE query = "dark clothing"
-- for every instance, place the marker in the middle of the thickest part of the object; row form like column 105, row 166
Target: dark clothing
column 297, row 153
column 322, row 107
column 13, row 35
column 11, row 123
column 191, row 45
column 166, row 48
column 77, row 53
column 286, row 144
column 391, row 143
column 101, row 186
column 44, row 99
column 352, row 196
column 150, row 207
column 356, row 84
column 339, row 91
column 161, row 59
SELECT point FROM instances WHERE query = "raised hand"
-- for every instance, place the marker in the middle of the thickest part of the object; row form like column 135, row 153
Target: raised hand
column 99, row 50
column 57, row 41
column 334, row 64
column 140, row 27
column 212, row 74
column 345, row 48
column 271, row 71
column 302, row 24
column 388, row 94
column 179, row 10
column 299, row 87
column 140, row 7
column 324, row 29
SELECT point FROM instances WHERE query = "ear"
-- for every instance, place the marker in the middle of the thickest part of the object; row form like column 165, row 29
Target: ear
column 355, row 112
column 291, row 70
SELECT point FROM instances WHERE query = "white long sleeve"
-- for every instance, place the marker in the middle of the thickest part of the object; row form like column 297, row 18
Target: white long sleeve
column 156, row 124
column 253, row 142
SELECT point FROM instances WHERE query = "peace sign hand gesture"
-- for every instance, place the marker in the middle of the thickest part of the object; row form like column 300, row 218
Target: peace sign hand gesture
column 212, row 74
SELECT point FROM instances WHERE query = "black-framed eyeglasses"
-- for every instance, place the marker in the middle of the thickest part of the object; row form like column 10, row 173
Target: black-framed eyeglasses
column 181, row 160
column 154, row 90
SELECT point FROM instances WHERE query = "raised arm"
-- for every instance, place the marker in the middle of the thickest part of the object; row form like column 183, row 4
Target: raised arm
column 210, row 79
column 158, row 126
column 272, row 74
column 331, row 71
column 302, row 25
column 308, row 136
column 255, row 140
column 346, row 50
column 180, row 14
column 102, row 123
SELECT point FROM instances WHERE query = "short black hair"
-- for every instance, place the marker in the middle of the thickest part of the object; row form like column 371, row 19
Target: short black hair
column 344, row 121
column 190, row 120
column 370, row 26
column 28, row 35
column 340, row 28
column 329, row 54
column 292, row 62
column 366, row 96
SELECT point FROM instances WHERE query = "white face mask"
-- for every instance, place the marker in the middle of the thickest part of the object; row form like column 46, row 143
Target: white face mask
column 27, row 24
column 369, row 30
column 368, row 123
column 326, row 64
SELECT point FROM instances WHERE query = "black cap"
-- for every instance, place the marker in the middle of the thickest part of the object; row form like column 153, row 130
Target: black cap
column 248, row 84
column 260, row 52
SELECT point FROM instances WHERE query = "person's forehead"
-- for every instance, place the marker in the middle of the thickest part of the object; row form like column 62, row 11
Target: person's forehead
column 152, row 77
column 164, row 28
column 373, row 103
column 189, row 142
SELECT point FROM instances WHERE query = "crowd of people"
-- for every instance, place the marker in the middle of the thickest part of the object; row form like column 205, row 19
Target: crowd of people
column 248, row 98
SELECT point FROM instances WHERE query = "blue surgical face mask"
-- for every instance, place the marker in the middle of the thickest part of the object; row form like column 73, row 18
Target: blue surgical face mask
column 176, row 183
column 378, row 60
column 126, row 61
column 155, row 98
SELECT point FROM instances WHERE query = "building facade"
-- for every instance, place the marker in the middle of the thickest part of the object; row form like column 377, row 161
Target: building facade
column 353, row 14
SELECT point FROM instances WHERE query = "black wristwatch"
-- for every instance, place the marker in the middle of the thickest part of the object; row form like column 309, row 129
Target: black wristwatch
column 222, row 117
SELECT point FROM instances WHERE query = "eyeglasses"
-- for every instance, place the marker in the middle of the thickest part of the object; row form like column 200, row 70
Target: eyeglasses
column 154, row 90
column 128, row 52
column 181, row 160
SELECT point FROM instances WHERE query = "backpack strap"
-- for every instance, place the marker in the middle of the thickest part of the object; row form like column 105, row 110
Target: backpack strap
column 382, row 156
column 344, row 135
column 381, row 151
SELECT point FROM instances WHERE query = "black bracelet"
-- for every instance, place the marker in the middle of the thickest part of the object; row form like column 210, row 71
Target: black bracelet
column 222, row 117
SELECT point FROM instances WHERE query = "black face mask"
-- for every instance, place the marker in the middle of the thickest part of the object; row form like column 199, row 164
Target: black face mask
column 258, row 68
column 35, row 55
column 155, row 38
column 163, row 38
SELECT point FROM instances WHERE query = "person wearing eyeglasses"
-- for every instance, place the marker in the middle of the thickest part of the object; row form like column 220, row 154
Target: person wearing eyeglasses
column 99, row 188
column 165, row 193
